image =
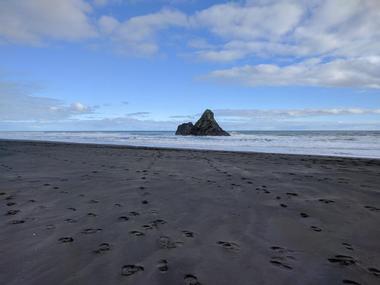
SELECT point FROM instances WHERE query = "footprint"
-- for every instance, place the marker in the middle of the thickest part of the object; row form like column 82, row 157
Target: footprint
column 372, row 209
column 147, row 227
column 166, row 242
column 12, row 212
column 157, row 222
column 137, row 233
column 103, row 247
column 71, row 221
column 280, row 264
column 188, row 234
column 72, row 209
column 130, row 269
column 93, row 201
column 91, row 214
column 283, row 254
column 342, row 260
column 123, row 218
column 65, row 239
column 304, row 215
column 10, row 197
column 316, row 229
column 17, row 222
column 229, row 245
column 326, row 201
column 191, row 280
column 91, row 231
column 284, row 205
column 145, row 202
column 292, row 194
column 374, row 271
column 278, row 248
column 50, row 227
column 347, row 246
column 163, row 265
column 133, row 213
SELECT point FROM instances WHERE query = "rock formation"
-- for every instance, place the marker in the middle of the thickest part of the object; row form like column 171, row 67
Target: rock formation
column 184, row 129
column 205, row 126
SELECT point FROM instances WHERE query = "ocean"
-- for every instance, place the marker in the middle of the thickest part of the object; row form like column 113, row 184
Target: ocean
column 336, row 143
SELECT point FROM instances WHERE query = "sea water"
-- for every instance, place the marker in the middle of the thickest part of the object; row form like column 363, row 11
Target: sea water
column 336, row 143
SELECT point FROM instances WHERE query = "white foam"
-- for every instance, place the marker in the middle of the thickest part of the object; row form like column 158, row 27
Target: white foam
column 352, row 144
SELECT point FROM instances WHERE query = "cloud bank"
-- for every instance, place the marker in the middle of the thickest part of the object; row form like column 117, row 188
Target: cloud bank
column 294, row 113
column 360, row 72
column 17, row 103
column 333, row 43
column 21, row 110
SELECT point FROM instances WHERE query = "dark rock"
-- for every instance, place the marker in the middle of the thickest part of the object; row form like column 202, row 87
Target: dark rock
column 184, row 129
column 205, row 126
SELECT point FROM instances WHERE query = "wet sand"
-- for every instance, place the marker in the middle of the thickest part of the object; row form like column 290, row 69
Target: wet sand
column 92, row 214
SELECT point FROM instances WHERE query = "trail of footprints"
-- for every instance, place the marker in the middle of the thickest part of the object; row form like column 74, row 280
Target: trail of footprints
column 281, row 257
column 164, row 242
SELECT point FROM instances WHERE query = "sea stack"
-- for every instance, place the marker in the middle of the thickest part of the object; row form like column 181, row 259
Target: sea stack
column 205, row 126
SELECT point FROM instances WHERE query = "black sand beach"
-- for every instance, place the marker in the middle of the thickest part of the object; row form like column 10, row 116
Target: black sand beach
column 92, row 214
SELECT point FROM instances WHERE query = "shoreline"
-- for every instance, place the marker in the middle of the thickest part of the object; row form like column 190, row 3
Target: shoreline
column 190, row 149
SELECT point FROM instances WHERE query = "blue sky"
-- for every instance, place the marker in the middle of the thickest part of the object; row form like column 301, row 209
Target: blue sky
column 150, row 65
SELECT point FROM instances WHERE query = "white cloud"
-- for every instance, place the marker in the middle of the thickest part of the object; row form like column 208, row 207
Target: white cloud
column 182, row 117
column 79, row 107
column 332, row 43
column 292, row 28
column 358, row 72
column 343, row 35
column 32, row 21
column 293, row 113
column 101, row 3
column 222, row 55
column 108, row 24
column 137, row 35
column 138, row 114
column 250, row 22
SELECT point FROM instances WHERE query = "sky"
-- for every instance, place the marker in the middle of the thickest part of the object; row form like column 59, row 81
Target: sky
column 152, row 64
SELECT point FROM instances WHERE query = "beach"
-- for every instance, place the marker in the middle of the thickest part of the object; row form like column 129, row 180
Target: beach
column 101, row 214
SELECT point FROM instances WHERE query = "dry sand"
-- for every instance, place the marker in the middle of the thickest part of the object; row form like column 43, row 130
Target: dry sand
column 91, row 214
